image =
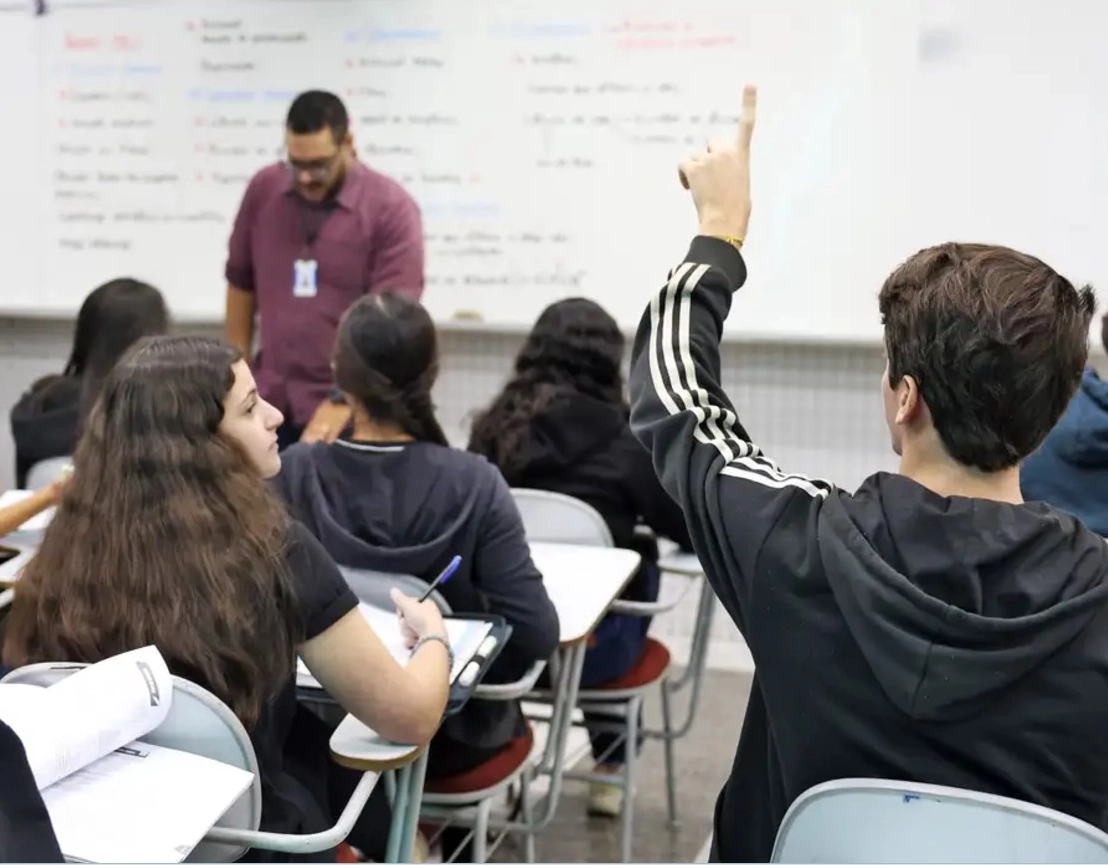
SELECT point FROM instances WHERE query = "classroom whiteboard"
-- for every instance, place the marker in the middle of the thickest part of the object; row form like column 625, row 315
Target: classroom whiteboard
column 541, row 140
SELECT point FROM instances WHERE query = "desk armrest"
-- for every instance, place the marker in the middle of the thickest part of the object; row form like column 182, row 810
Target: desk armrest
column 313, row 843
column 650, row 608
column 511, row 690
column 356, row 746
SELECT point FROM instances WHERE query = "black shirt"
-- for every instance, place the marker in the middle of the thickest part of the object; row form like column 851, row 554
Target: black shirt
column 290, row 770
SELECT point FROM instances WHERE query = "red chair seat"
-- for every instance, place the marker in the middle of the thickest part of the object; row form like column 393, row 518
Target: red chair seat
column 490, row 772
column 651, row 666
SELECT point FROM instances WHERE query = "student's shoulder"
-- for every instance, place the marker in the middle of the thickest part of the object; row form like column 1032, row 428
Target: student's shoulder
column 468, row 466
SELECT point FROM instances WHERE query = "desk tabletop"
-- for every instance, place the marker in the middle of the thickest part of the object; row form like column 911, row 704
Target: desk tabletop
column 356, row 746
column 26, row 543
column 582, row 582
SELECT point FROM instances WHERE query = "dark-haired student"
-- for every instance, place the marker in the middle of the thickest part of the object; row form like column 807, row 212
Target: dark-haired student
column 1070, row 469
column 47, row 419
column 561, row 424
column 395, row 497
column 168, row 534
column 931, row 626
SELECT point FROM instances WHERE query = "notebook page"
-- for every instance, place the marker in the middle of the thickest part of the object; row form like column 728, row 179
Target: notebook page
column 465, row 637
column 142, row 803
column 95, row 711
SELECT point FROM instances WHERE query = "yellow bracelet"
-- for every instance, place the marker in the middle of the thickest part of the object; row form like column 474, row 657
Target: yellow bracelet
column 736, row 242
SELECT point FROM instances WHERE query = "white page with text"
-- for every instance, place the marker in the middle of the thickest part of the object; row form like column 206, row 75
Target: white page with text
column 89, row 714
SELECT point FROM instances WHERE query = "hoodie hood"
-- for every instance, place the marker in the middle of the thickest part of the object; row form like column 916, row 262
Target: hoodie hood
column 1081, row 436
column 45, row 422
column 953, row 599
column 568, row 430
column 393, row 508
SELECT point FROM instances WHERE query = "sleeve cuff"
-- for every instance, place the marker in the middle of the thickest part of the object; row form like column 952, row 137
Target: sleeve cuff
column 721, row 255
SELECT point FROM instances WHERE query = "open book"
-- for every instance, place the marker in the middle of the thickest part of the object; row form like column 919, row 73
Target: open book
column 112, row 798
column 465, row 635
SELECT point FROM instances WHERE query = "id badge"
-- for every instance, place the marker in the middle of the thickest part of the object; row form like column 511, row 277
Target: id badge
column 305, row 277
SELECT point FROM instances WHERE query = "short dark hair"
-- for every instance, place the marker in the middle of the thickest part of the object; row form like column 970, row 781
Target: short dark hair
column 996, row 341
column 314, row 110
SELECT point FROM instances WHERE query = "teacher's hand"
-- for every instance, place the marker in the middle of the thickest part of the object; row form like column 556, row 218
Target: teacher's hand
column 327, row 423
column 719, row 178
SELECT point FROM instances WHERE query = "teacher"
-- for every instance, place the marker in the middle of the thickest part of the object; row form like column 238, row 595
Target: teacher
column 313, row 234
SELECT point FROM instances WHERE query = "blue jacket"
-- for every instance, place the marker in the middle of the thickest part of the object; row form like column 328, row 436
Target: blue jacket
column 1070, row 469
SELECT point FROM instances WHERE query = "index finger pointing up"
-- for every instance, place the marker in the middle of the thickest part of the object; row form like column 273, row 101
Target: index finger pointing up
column 746, row 118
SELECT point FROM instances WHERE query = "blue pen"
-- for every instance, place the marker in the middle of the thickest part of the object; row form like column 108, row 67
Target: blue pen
column 447, row 573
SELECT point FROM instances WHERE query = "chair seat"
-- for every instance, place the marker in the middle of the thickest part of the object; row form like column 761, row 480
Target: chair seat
column 649, row 668
column 488, row 774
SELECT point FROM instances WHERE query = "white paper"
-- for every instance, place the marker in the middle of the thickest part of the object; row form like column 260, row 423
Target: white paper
column 37, row 523
column 141, row 803
column 465, row 635
column 89, row 714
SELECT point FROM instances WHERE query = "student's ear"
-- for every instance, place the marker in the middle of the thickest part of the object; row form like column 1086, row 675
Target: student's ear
column 909, row 402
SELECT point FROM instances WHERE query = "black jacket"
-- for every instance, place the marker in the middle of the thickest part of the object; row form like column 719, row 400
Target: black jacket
column 895, row 633
column 26, row 834
column 45, row 422
column 581, row 446
column 408, row 509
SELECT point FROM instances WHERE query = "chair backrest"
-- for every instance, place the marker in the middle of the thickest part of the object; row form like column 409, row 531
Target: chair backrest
column 199, row 723
column 45, row 472
column 864, row 820
column 560, row 519
column 372, row 587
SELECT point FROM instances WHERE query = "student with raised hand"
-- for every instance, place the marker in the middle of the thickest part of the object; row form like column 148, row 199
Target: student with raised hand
column 47, row 419
column 561, row 424
column 931, row 626
column 1070, row 469
column 395, row 497
column 167, row 534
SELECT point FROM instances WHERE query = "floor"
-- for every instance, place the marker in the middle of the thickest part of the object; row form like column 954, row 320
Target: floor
column 704, row 757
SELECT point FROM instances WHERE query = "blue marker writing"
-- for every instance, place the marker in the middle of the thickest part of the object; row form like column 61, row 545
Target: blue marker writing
column 447, row 573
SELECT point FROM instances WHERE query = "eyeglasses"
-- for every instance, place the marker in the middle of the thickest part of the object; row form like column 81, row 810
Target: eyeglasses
column 317, row 169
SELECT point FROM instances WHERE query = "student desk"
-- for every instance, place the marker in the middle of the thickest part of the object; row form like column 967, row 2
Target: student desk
column 582, row 582
column 356, row 746
column 26, row 543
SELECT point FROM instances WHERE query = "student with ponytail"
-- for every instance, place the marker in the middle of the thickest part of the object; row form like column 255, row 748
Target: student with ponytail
column 393, row 496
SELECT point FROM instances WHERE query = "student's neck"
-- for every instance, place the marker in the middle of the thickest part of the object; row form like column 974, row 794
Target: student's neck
column 367, row 430
column 945, row 477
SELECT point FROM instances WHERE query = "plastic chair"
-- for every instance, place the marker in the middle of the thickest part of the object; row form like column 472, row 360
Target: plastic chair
column 867, row 820
column 45, row 472
column 557, row 518
column 200, row 723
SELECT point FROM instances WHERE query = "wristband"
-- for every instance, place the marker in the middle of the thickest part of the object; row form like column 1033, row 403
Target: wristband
column 437, row 638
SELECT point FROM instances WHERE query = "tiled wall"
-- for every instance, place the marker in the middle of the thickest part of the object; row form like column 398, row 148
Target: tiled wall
column 815, row 409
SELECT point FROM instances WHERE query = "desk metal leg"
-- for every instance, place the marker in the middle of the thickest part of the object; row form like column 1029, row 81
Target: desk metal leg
column 405, row 809
column 416, row 777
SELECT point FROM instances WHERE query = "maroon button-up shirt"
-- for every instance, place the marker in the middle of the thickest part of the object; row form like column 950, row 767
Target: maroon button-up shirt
column 370, row 241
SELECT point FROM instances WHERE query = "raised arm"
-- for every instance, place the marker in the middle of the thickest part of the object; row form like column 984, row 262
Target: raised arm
column 733, row 496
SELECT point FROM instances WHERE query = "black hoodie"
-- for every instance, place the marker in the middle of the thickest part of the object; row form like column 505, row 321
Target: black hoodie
column 581, row 446
column 408, row 509
column 896, row 633
column 45, row 422
column 26, row 834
